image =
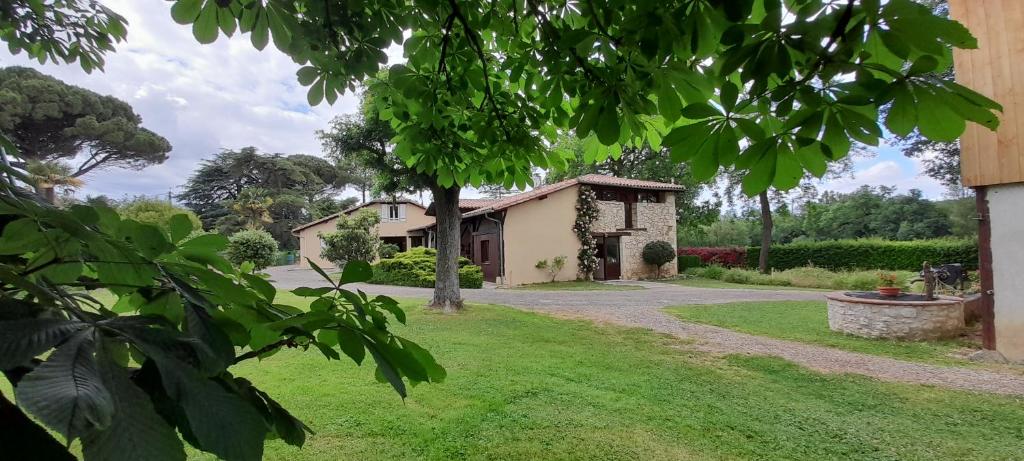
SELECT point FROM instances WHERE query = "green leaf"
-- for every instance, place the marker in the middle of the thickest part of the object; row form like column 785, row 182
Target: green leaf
column 728, row 145
column 761, row 174
column 935, row 119
column 902, row 114
column 608, row 126
column 728, row 95
column 218, row 350
column 700, row 110
column 812, row 159
column 387, row 370
column 668, row 102
column 148, row 239
column 262, row 335
column 226, row 21
column 186, row 11
column 705, row 162
column 787, row 170
column 260, row 31
column 136, row 431
column 66, row 392
column 356, row 271
column 351, row 343
column 282, row 36
column 307, row 75
column 923, row 65
column 316, row 92
column 262, row 286
column 835, row 138
column 686, row 134
column 205, row 27
column 21, row 236
column 307, row 292
column 180, row 227
column 22, row 340
column 206, row 242
column 221, row 421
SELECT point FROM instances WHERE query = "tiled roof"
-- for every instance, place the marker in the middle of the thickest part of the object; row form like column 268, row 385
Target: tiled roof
column 354, row 208
column 590, row 179
column 474, row 203
column 602, row 180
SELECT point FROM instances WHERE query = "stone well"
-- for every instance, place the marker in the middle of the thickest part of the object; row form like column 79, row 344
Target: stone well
column 907, row 317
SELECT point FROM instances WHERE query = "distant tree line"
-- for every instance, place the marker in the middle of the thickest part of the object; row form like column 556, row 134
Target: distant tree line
column 247, row 189
column 867, row 212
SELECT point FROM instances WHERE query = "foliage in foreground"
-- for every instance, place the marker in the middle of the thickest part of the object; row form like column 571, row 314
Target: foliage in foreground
column 415, row 268
column 127, row 378
column 801, row 277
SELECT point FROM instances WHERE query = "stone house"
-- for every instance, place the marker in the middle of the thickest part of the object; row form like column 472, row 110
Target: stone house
column 507, row 237
column 396, row 218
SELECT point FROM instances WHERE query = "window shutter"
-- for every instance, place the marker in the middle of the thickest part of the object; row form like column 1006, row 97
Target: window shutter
column 384, row 213
column 401, row 212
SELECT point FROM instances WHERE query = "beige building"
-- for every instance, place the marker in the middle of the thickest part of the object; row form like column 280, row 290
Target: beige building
column 507, row 237
column 396, row 219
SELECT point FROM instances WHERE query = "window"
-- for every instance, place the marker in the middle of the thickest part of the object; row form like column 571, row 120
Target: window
column 485, row 252
column 392, row 212
column 647, row 197
column 608, row 195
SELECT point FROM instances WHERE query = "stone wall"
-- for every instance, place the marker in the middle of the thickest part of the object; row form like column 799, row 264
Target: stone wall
column 943, row 318
column 655, row 221
column 611, row 217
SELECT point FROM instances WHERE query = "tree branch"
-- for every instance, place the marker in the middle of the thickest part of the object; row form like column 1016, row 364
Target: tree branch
column 477, row 46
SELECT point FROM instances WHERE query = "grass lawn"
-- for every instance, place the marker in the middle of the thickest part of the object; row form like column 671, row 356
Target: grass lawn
column 698, row 282
column 578, row 285
column 527, row 386
column 807, row 321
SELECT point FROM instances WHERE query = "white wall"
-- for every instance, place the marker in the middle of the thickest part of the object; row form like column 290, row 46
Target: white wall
column 1006, row 211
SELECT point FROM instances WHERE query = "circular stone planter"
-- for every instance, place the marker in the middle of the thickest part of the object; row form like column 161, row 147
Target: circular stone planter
column 906, row 316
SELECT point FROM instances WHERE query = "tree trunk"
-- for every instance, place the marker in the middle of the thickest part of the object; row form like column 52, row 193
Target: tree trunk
column 446, row 275
column 49, row 193
column 766, row 232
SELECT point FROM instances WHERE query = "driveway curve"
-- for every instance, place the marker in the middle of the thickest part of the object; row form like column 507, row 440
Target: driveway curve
column 643, row 309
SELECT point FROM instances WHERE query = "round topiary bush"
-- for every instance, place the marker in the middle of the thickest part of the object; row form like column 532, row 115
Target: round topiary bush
column 253, row 245
column 657, row 253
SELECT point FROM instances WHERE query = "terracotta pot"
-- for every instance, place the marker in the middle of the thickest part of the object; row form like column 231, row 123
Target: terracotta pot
column 889, row 291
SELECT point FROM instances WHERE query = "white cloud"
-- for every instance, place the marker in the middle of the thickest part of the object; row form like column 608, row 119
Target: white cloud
column 202, row 98
column 886, row 172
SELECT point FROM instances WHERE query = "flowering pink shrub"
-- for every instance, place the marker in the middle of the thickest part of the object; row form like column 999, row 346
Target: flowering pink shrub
column 725, row 256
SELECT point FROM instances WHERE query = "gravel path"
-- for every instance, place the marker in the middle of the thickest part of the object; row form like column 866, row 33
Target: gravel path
column 642, row 309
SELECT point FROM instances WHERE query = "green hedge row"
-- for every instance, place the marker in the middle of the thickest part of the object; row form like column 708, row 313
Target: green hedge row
column 415, row 268
column 684, row 262
column 869, row 254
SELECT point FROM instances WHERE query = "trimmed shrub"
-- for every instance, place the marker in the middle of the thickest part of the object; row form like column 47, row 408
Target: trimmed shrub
column 723, row 256
column 657, row 253
column 415, row 268
column 388, row 250
column 869, row 254
column 684, row 262
column 253, row 245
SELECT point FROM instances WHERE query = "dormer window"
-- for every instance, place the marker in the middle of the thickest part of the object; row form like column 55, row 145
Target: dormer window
column 392, row 212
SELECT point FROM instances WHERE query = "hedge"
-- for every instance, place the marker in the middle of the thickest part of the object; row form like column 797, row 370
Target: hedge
column 869, row 254
column 723, row 256
column 415, row 268
column 687, row 261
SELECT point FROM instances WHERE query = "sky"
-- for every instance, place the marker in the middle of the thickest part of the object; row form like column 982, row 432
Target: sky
column 228, row 95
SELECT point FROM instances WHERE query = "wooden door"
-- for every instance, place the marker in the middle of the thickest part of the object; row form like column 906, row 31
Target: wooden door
column 485, row 255
column 612, row 259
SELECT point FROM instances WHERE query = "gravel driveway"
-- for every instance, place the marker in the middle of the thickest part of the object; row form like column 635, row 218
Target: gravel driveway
column 642, row 308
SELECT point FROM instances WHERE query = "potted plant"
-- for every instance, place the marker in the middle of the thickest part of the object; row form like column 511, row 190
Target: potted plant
column 887, row 284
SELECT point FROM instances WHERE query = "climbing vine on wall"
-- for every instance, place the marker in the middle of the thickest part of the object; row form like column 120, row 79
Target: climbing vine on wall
column 586, row 215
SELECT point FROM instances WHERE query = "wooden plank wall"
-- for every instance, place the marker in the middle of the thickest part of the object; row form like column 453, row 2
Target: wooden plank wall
column 995, row 69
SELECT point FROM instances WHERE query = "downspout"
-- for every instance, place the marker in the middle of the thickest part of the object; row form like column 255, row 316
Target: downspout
column 501, row 246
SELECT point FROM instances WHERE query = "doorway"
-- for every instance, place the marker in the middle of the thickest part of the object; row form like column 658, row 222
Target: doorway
column 609, row 266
